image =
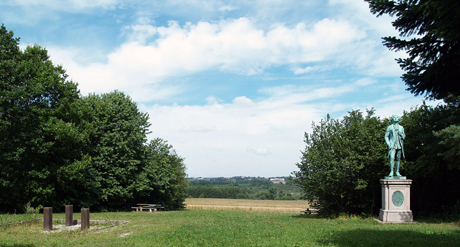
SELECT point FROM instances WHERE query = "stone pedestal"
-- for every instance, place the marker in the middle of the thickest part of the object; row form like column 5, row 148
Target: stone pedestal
column 396, row 200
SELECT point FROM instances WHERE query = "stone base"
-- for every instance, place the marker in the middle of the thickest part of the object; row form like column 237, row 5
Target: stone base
column 379, row 221
column 395, row 216
column 395, row 200
column 395, row 177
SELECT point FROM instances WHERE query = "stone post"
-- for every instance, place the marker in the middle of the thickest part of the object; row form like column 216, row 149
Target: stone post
column 84, row 218
column 47, row 219
column 68, row 215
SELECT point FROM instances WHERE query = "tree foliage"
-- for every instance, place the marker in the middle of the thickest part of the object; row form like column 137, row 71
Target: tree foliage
column 342, row 164
column 433, row 65
column 58, row 148
column 432, row 156
column 163, row 176
column 344, row 160
column 115, row 147
column 41, row 134
column 207, row 191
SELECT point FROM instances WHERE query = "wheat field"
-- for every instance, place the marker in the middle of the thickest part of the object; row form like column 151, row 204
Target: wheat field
column 245, row 204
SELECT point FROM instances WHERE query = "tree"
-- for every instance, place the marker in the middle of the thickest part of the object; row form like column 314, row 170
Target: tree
column 432, row 155
column 58, row 148
column 342, row 164
column 116, row 148
column 41, row 131
column 433, row 65
column 162, row 179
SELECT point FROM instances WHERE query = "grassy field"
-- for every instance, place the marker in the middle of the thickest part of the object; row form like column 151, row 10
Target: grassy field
column 193, row 227
column 244, row 204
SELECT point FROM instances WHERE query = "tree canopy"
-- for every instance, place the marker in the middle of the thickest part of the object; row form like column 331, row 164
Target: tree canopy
column 432, row 155
column 342, row 163
column 59, row 148
column 41, row 134
column 344, row 160
column 430, row 31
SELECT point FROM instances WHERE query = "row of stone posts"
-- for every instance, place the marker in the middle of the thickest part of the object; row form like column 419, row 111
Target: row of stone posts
column 48, row 217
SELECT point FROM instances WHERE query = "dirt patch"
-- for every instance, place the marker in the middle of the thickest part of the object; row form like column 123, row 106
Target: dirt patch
column 95, row 226
column 125, row 234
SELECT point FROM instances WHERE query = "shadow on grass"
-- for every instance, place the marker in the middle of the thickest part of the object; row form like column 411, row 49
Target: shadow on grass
column 307, row 216
column 384, row 237
column 434, row 220
column 17, row 245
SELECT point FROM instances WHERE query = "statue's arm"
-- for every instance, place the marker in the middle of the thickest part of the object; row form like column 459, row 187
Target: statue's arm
column 387, row 136
column 403, row 135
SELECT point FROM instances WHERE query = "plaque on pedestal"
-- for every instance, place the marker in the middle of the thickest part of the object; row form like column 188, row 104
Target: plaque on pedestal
column 395, row 200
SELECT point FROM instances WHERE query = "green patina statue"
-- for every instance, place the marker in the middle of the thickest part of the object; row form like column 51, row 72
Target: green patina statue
column 394, row 138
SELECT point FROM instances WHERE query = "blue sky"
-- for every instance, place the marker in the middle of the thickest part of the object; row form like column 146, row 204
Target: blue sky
column 232, row 85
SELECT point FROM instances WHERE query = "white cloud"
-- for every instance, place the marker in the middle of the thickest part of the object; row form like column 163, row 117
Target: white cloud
column 365, row 82
column 308, row 69
column 243, row 101
column 226, row 138
column 196, row 129
column 227, row 8
column 154, row 53
column 222, row 138
column 259, row 151
column 359, row 12
column 65, row 5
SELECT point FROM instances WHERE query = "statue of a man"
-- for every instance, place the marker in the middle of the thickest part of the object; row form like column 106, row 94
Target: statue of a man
column 394, row 137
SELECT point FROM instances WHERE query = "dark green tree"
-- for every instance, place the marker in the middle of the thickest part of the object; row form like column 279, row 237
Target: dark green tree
column 116, row 148
column 431, row 161
column 162, row 179
column 57, row 148
column 433, row 65
column 41, row 131
column 342, row 164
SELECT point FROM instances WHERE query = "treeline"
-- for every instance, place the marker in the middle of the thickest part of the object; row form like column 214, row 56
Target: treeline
column 207, row 191
column 233, row 181
column 239, row 188
column 58, row 147
column 344, row 160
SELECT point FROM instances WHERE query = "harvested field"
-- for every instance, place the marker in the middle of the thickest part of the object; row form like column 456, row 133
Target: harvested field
column 243, row 204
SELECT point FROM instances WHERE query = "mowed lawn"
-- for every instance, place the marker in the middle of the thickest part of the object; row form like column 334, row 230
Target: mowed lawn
column 193, row 227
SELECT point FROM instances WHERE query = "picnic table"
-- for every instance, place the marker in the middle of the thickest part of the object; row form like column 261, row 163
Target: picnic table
column 142, row 206
column 308, row 210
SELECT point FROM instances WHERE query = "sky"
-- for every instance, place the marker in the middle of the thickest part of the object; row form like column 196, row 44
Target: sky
column 232, row 85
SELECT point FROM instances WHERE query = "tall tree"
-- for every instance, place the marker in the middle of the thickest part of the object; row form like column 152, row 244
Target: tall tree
column 433, row 65
column 432, row 157
column 116, row 148
column 162, row 178
column 342, row 164
column 41, row 132
column 57, row 148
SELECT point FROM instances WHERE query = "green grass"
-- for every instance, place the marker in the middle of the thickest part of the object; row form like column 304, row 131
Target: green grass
column 233, row 228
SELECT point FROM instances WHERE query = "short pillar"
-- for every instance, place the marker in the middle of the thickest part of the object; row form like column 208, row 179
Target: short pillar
column 84, row 218
column 396, row 200
column 47, row 219
column 68, row 215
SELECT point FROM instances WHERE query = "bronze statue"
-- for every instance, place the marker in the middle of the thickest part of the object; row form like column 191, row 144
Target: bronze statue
column 394, row 137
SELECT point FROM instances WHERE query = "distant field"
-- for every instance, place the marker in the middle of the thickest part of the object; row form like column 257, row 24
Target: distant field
column 244, row 204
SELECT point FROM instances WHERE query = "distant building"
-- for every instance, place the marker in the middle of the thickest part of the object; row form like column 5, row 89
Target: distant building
column 278, row 180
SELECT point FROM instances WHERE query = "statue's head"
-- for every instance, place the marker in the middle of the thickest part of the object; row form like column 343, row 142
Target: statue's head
column 395, row 119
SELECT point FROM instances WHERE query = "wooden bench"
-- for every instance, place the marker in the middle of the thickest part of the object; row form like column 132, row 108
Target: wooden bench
column 142, row 206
